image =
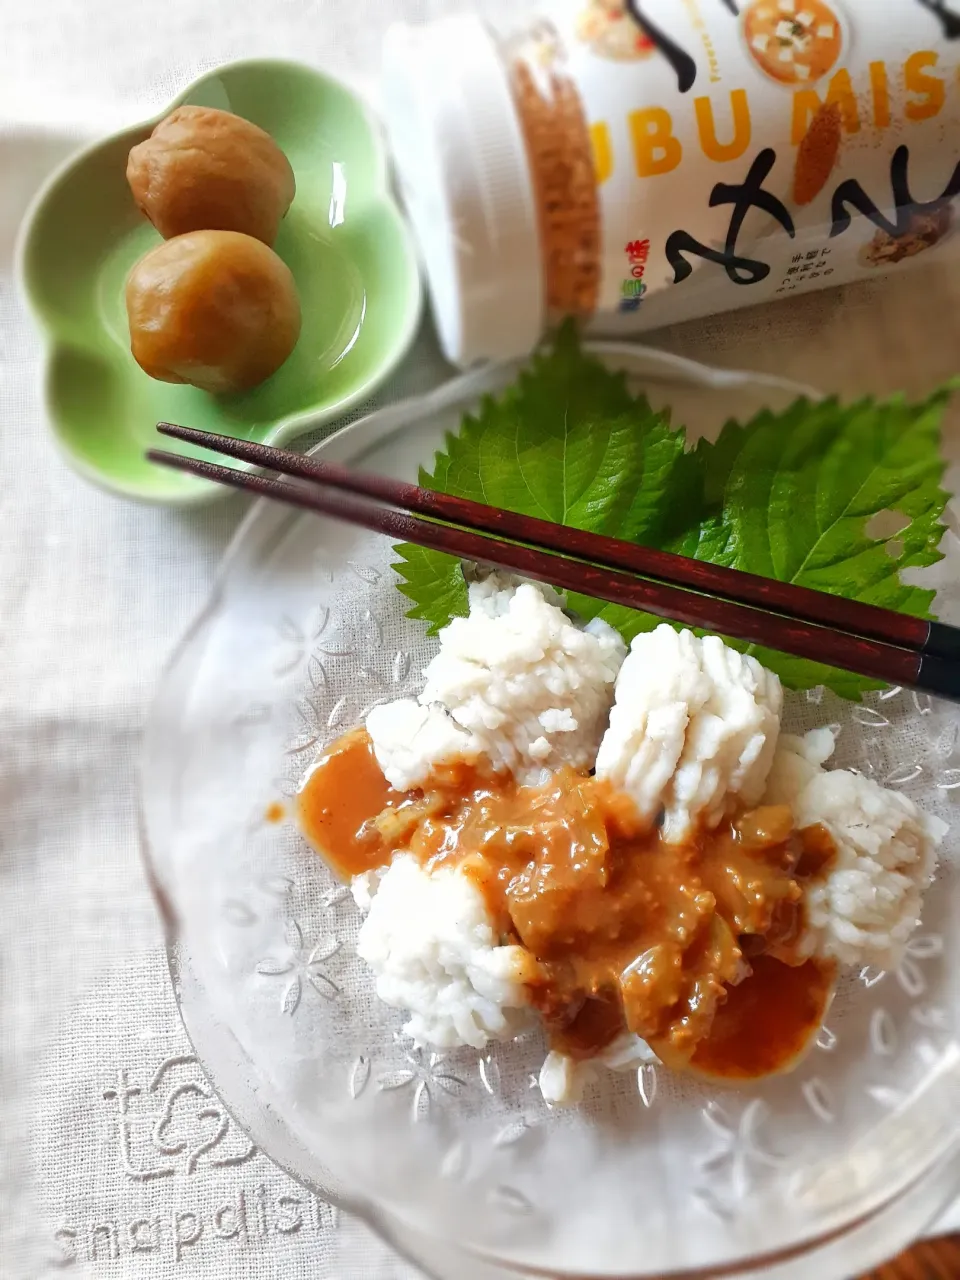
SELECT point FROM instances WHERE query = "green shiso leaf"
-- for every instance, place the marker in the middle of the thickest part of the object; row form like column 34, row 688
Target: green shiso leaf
column 787, row 495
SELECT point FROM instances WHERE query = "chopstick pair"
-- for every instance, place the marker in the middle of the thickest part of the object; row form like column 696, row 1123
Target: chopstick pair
column 861, row 638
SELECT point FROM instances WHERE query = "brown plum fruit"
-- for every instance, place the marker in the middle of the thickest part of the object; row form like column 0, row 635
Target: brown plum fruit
column 203, row 169
column 216, row 309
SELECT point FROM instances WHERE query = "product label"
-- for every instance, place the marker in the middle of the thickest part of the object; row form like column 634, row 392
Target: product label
column 752, row 149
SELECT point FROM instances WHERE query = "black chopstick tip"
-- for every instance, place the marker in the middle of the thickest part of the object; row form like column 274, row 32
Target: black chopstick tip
column 180, row 432
column 192, row 434
column 163, row 457
column 181, row 462
column 942, row 641
column 939, row 676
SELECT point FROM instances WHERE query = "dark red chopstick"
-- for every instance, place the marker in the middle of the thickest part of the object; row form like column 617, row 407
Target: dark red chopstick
column 860, row 654
column 804, row 603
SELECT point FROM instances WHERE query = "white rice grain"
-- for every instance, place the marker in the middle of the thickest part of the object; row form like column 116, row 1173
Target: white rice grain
column 693, row 728
column 429, row 940
column 868, row 905
column 520, row 683
column 410, row 740
column 563, row 1079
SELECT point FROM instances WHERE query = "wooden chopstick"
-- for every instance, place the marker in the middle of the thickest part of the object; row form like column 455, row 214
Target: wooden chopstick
column 818, row 607
column 863, row 655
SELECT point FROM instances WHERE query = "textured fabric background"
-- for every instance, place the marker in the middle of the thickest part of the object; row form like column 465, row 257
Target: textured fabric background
column 108, row 1166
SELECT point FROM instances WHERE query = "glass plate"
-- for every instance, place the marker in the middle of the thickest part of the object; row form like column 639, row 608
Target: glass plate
column 455, row 1157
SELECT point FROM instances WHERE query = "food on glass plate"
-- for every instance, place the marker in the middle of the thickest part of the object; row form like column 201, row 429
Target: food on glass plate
column 621, row 845
column 215, row 309
column 202, row 169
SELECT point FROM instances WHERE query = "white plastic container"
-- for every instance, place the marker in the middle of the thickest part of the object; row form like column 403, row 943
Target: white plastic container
column 640, row 162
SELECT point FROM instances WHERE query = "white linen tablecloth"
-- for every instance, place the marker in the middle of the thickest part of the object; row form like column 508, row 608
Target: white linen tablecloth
column 113, row 1161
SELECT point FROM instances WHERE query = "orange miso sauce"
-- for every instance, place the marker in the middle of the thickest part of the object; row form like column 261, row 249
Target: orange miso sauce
column 338, row 804
column 766, row 1022
column 691, row 946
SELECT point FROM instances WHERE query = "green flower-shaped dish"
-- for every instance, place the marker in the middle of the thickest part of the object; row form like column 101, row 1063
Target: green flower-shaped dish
column 343, row 238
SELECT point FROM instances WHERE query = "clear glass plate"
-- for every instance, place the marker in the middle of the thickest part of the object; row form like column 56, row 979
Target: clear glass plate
column 455, row 1157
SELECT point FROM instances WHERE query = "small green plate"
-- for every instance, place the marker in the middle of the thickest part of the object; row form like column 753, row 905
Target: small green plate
column 343, row 238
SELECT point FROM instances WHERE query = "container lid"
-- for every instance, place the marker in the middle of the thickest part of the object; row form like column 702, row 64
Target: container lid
column 462, row 164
